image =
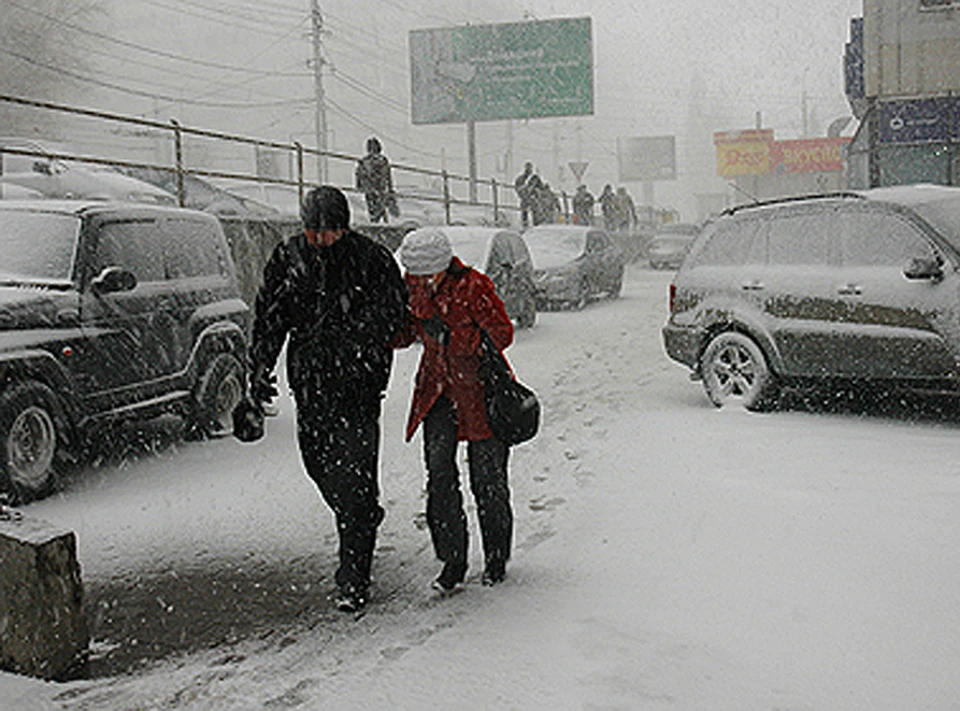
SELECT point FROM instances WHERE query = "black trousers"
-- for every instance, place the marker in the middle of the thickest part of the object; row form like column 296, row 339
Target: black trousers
column 377, row 207
column 487, row 462
column 340, row 444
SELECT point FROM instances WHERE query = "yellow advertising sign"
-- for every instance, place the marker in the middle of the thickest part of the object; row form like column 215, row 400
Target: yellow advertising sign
column 744, row 157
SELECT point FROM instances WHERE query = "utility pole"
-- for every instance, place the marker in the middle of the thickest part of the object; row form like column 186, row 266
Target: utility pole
column 320, row 118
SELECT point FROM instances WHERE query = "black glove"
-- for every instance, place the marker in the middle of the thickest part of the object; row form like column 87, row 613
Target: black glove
column 263, row 385
column 436, row 329
column 248, row 420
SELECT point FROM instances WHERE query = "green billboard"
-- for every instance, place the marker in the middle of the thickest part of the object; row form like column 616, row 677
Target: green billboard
column 506, row 71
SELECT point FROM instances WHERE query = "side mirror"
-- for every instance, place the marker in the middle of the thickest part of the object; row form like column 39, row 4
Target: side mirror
column 112, row 280
column 930, row 268
column 42, row 167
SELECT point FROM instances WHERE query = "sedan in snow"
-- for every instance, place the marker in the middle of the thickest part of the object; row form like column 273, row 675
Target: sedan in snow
column 573, row 264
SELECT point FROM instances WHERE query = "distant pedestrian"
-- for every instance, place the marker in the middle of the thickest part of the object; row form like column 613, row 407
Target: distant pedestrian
column 583, row 201
column 449, row 305
column 546, row 205
column 608, row 207
column 374, row 181
column 526, row 186
column 625, row 210
column 339, row 298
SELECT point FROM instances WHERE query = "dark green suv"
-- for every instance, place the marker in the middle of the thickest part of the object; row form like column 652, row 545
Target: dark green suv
column 861, row 287
column 110, row 311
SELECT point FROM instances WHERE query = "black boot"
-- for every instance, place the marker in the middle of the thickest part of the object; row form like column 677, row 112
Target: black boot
column 494, row 572
column 451, row 577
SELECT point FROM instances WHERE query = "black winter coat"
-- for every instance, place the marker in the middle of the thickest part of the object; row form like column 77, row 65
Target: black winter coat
column 340, row 306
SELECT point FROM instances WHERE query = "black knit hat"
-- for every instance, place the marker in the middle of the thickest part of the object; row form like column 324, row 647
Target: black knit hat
column 325, row 208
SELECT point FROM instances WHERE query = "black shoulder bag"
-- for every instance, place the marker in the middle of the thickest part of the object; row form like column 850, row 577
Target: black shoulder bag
column 513, row 410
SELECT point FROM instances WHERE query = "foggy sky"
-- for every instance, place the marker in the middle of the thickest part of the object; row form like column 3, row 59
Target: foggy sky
column 651, row 58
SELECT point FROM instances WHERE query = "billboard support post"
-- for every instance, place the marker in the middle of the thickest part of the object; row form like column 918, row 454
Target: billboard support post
column 472, row 153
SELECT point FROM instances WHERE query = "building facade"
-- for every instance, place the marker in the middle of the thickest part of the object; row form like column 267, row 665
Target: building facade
column 902, row 67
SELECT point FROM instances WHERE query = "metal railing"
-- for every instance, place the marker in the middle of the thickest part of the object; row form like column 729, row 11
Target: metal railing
column 298, row 152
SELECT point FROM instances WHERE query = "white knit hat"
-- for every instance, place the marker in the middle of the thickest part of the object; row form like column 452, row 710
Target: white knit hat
column 426, row 251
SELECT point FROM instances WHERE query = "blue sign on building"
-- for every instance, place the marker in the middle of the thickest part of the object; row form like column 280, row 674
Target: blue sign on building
column 919, row 120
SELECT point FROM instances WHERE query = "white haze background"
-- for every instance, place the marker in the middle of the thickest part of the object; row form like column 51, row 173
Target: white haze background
column 687, row 69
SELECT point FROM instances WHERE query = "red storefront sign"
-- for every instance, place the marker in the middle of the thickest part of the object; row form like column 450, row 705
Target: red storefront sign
column 811, row 155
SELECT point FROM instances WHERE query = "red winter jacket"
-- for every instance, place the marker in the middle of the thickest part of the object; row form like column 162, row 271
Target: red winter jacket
column 466, row 302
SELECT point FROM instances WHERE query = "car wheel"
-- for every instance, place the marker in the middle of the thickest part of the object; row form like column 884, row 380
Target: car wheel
column 617, row 286
column 32, row 429
column 219, row 390
column 735, row 371
column 583, row 295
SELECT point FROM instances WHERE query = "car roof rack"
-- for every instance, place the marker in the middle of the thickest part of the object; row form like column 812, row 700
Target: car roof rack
column 844, row 194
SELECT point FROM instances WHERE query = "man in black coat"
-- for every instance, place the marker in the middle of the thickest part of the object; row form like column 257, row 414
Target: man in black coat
column 583, row 202
column 526, row 185
column 339, row 297
column 374, row 181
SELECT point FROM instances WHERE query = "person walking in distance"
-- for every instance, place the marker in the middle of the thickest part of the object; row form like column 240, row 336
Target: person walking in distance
column 608, row 207
column 583, row 201
column 526, row 185
column 336, row 298
column 373, row 179
column 449, row 304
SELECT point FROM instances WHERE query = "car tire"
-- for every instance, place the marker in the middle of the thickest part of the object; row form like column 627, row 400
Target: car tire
column 735, row 371
column 617, row 286
column 32, row 441
column 583, row 295
column 219, row 390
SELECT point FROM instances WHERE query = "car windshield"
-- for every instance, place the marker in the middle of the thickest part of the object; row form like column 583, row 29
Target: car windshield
column 473, row 250
column 672, row 241
column 550, row 249
column 37, row 245
column 944, row 216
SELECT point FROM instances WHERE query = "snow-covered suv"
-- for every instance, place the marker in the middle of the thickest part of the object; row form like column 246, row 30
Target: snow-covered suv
column 107, row 311
column 862, row 286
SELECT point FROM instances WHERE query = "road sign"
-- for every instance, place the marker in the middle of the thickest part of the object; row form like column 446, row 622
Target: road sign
column 578, row 168
column 504, row 71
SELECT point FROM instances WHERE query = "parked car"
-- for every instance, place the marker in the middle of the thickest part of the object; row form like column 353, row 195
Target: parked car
column 862, row 287
column 66, row 179
column 503, row 256
column 9, row 191
column 574, row 264
column 202, row 194
column 110, row 311
column 280, row 196
column 670, row 244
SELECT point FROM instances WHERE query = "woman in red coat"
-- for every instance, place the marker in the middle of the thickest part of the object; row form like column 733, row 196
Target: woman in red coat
column 449, row 304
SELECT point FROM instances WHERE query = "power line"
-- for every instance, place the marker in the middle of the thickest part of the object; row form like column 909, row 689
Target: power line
column 181, row 74
column 360, row 122
column 137, row 47
column 357, row 85
column 254, row 25
column 258, row 9
column 255, row 58
column 150, row 95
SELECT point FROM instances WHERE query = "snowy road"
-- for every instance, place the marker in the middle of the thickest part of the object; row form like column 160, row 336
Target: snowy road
column 668, row 555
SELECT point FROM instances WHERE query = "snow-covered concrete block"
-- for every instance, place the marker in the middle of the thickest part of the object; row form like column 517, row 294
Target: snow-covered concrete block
column 42, row 629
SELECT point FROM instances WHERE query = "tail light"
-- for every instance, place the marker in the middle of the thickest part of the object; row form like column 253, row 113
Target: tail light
column 673, row 295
